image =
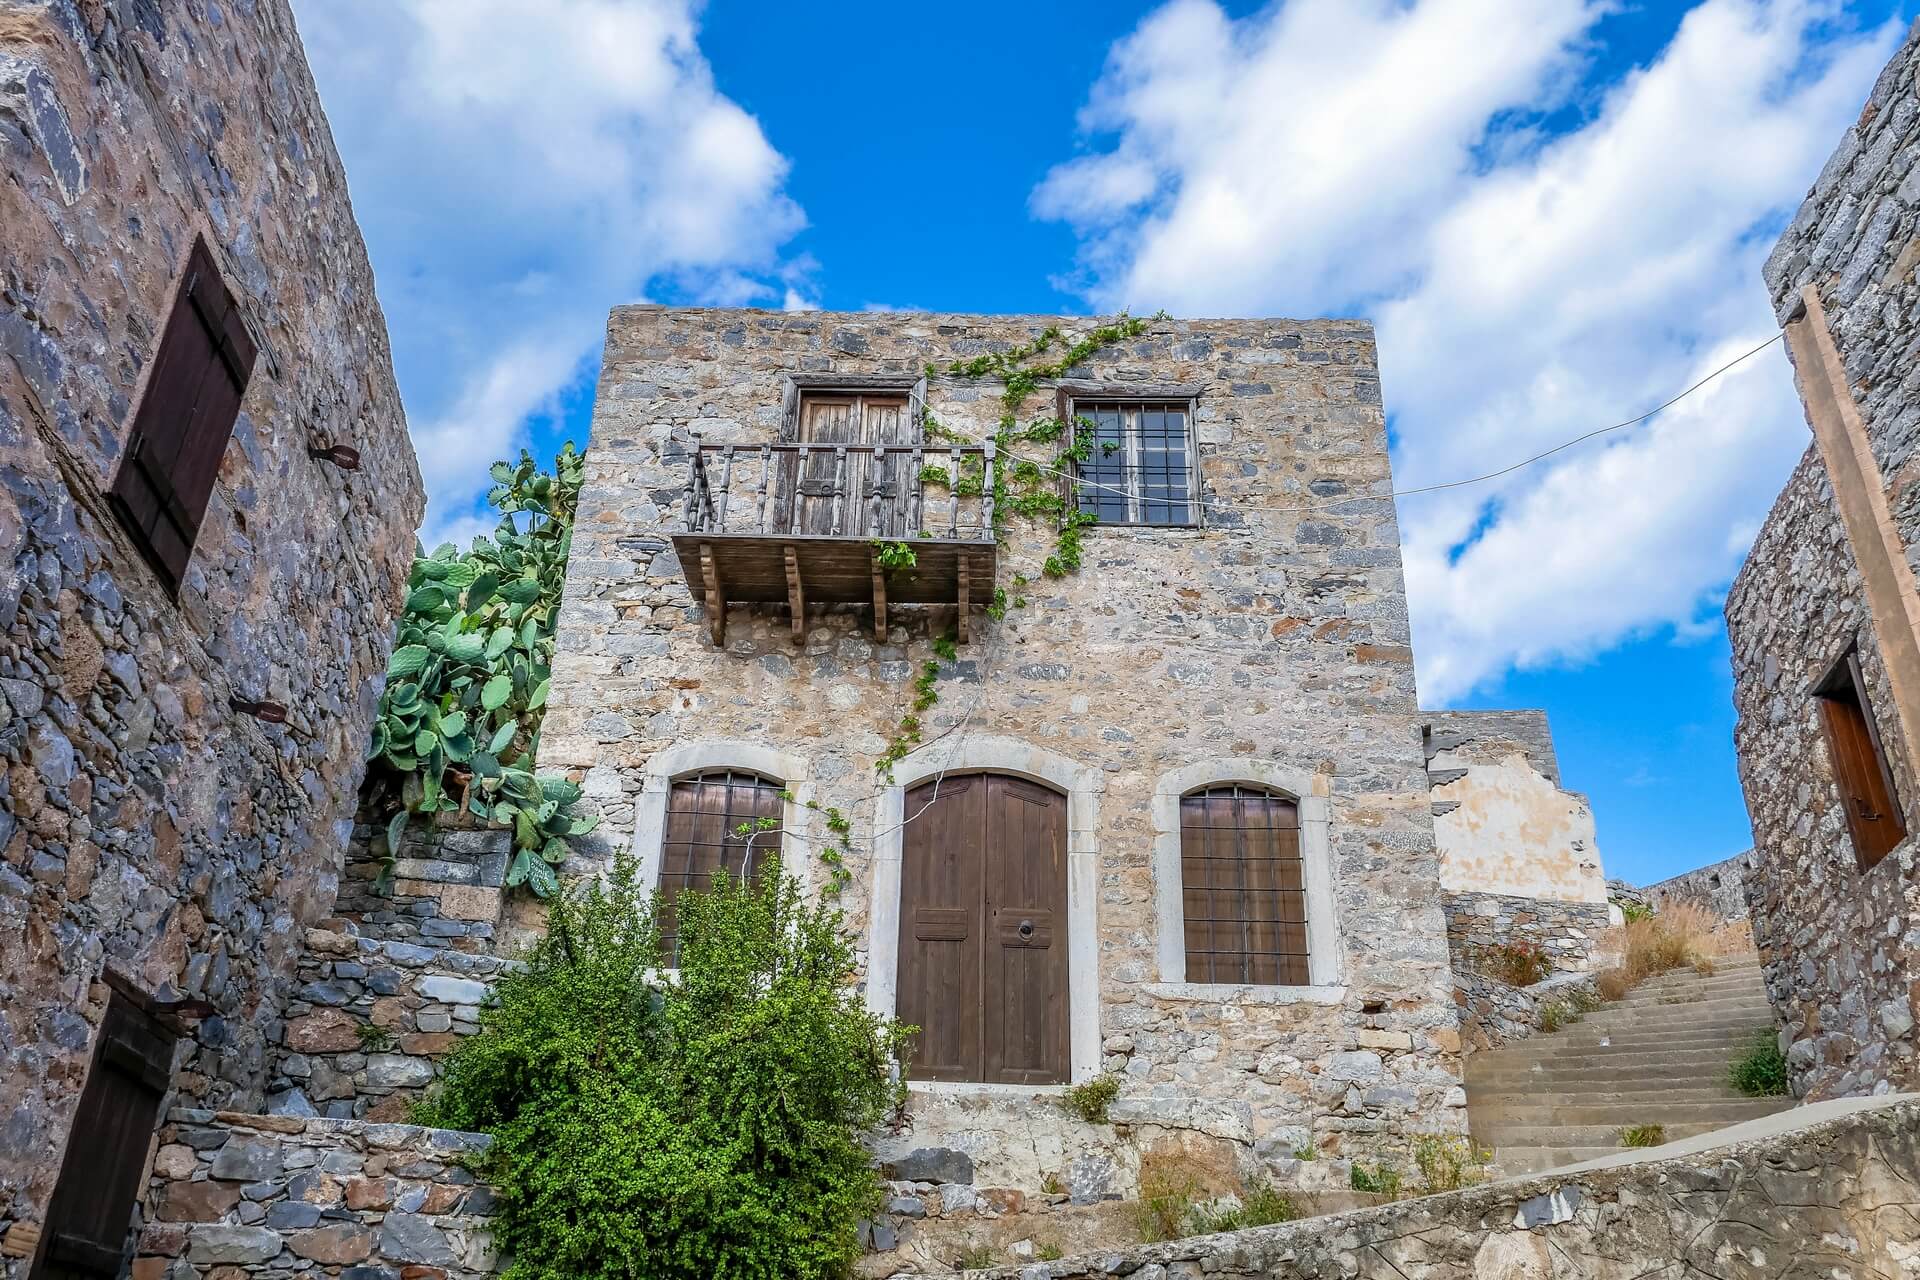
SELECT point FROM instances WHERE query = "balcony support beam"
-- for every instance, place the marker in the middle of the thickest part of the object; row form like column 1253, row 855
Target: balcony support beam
column 879, row 597
column 716, row 597
column 966, row 601
column 796, row 595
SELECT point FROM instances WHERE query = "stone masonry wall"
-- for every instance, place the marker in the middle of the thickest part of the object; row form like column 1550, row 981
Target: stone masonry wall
column 1826, row 1191
column 1571, row 933
column 397, row 977
column 236, row 1196
column 1270, row 636
column 1839, row 946
column 1719, row 888
column 142, row 823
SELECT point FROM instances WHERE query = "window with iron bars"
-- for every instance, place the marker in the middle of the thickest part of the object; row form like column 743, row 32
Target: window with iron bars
column 1140, row 465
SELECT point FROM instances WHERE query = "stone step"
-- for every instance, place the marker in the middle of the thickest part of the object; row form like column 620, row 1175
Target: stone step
column 1584, row 1135
column 1698, row 1091
column 1733, row 988
column 1514, row 1161
column 1650, row 1108
column 1594, row 1051
column 1580, row 1039
column 1570, row 1083
column 1680, row 1016
column 1707, row 1059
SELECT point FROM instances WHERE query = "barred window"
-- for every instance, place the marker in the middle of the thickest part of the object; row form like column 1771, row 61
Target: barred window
column 1243, row 887
column 703, row 838
column 1139, row 468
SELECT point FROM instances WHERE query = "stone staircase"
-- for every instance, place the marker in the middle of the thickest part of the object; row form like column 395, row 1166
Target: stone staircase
column 1659, row 1056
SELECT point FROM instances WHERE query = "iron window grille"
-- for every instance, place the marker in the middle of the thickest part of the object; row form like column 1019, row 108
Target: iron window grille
column 703, row 838
column 1140, row 466
column 1243, row 887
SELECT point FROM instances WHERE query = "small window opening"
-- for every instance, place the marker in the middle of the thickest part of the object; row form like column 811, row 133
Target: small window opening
column 1139, row 466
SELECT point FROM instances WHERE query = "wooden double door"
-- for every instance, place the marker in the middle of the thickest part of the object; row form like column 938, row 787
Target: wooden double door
column 983, row 930
column 825, row 489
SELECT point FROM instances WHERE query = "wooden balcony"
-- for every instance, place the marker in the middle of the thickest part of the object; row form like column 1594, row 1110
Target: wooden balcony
column 800, row 523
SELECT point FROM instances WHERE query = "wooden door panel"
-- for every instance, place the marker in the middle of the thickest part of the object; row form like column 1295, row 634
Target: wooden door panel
column 987, row 860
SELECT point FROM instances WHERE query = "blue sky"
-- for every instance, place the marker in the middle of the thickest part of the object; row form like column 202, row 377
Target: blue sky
column 1555, row 213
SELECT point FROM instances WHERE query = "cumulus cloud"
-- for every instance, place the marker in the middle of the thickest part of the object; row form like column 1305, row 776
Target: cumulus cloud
column 1530, row 281
column 518, row 172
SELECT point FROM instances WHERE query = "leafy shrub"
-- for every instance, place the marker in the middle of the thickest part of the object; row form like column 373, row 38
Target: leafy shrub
column 1643, row 1135
column 1090, row 1101
column 1518, row 964
column 1166, row 1203
column 1049, row 1252
column 695, row 1128
column 1379, row 1179
column 1631, row 911
column 974, row 1256
column 1556, row 1015
column 1448, row 1162
column 1762, row 1071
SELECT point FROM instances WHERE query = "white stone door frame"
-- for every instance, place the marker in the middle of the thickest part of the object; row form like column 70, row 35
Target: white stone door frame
column 1309, row 791
column 682, row 758
column 993, row 753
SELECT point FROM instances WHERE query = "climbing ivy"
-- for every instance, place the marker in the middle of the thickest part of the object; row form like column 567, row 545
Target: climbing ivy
column 1023, row 486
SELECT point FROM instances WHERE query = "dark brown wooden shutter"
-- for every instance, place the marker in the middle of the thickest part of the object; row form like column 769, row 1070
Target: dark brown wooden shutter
column 199, row 375
column 1243, row 887
column 702, row 839
column 983, row 945
column 91, row 1210
column 1860, row 772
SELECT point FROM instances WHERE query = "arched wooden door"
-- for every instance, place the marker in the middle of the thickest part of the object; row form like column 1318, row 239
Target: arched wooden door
column 983, row 930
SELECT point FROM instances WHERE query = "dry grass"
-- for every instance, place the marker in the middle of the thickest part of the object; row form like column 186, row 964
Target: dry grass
column 1681, row 937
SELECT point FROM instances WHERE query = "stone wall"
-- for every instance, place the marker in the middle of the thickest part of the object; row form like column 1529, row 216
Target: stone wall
column 1273, row 638
column 142, row 823
column 1831, row 1188
column 1493, row 1013
column 1838, row 944
column 235, row 1196
column 1572, row 934
column 1719, row 888
column 392, row 982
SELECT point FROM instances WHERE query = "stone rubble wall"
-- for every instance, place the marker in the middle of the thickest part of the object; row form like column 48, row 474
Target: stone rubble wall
column 143, row 824
column 1572, row 934
column 236, row 1196
column 1719, row 888
column 1493, row 1013
column 1838, row 945
column 1832, row 1188
column 1279, row 637
column 1488, row 737
column 392, row 983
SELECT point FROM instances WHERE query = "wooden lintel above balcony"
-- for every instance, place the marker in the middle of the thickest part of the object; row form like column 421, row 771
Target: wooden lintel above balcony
column 732, row 568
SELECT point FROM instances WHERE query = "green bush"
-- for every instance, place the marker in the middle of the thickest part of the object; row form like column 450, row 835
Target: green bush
column 1261, row 1205
column 693, row 1128
column 1762, row 1071
column 1383, row 1180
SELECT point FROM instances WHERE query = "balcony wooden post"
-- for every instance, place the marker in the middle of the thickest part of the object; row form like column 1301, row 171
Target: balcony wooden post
column 688, row 510
column 879, row 597
column 716, row 597
column 839, row 486
column 876, row 471
column 953, row 523
column 910, row 522
column 793, row 497
column 986, row 496
column 766, row 476
column 796, row 595
column 726, row 486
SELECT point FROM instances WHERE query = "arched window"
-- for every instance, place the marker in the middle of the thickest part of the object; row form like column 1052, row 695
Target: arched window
column 718, row 820
column 1243, row 887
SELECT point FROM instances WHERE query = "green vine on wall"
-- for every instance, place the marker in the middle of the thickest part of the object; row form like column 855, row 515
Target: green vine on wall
column 1023, row 487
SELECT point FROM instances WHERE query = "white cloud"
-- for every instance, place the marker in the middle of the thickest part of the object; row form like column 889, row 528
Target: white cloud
column 518, row 173
column 1328, row 156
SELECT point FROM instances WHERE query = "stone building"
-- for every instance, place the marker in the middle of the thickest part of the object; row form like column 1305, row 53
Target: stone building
column 1825, row 621
column 200, row 590
column 1719, row 889
column 1184, row 830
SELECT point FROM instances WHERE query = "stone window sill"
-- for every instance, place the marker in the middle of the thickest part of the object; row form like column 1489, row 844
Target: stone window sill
column 1230, row 993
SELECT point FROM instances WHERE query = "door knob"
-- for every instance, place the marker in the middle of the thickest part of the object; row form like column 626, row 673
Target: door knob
column 1026, row 928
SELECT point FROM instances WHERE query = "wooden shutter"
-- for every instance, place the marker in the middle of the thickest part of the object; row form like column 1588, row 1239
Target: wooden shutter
column 1243, row 888
column 704, row 815
column 857, row 418
column 1874, row 821
column 91, row 1210
column 199, row 375
column 983, row 946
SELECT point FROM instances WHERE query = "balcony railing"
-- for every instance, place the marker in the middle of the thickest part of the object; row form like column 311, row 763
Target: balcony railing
column 841, row 490
column 800, row 522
